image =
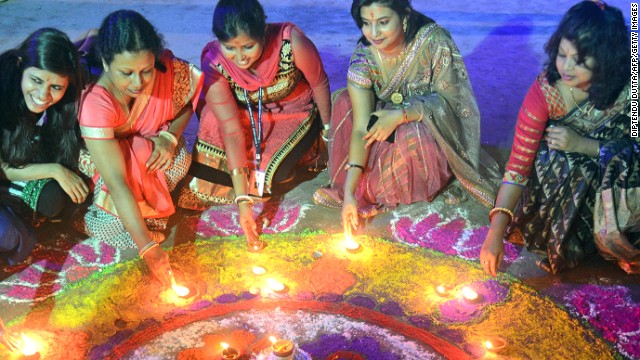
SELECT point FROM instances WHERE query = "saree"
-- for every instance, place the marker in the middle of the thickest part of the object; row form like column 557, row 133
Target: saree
column 290, row 117
column 102, row 118
column 557, row 210
column 426, row 154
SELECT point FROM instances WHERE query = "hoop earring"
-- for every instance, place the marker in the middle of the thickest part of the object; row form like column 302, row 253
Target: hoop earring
column 404, row 24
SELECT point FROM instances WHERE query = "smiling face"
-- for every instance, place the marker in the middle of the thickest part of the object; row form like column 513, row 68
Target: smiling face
column 131, row 73
column 572, row 73
column 382, row 27
column 42, row 88
column 243, row 50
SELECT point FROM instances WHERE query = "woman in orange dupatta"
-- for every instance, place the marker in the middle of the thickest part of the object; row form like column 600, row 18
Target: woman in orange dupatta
column 132, row 121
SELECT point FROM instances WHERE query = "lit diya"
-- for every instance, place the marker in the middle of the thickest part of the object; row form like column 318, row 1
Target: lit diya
column 495, row 344
column 444, row 290
column 281, row 348
column 229, row 353
column 256, row 246
column 351, row 245
column 276, row 286
column 469, row 294
column 259, row 270
column 29, row 347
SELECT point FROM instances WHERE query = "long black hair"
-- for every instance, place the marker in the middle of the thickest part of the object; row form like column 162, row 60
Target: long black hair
column 232, row 17
column 51, row 50
column 599, row 31
column 128, row 31
column 415, row 19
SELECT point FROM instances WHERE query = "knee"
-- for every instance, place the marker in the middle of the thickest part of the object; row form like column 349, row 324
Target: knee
column 52, row 200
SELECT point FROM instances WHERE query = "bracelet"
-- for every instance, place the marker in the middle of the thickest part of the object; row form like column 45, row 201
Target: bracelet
column 326, row 139
column 501, row 210
column 145, row 249
column 349, row 166
column 169, row 136
column 326, row 126
column 405, row 119
column 240, row 171
column 242, row 199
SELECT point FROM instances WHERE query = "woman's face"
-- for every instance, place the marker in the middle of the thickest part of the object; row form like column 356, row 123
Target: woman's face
column 382, row 27
column 42, row 88
column 131, row 73
column 243, row 50
column 573, row 74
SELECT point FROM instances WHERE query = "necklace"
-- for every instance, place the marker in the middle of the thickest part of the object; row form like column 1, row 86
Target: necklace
column 588, row 112
column 396, row 98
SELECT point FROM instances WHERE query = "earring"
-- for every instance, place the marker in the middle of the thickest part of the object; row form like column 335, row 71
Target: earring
column 404, row 24
column 105, row 66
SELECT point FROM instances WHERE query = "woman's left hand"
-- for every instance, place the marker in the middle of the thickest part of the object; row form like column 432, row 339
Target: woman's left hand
column 162, row 154
column 388, row 121
column 9, row 338
column 563, row 138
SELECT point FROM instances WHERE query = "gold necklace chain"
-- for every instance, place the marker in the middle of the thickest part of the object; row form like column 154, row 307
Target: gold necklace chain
column 588, row 112
column 395, row 60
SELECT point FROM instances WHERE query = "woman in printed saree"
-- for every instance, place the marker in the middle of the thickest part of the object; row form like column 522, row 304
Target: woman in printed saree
column 40, row 84
column 266, row 96
column 132, row 121
column 573, row 162
column 409, row 123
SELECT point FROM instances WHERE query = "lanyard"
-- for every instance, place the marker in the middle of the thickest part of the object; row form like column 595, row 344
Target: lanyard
column 257, row 135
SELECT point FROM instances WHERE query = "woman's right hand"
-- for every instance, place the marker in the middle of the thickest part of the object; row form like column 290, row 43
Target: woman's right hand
column 158, row 263
column 349, row 214
column 248, row 223
column 492, row 252
column 71, row 183
column 9, row 338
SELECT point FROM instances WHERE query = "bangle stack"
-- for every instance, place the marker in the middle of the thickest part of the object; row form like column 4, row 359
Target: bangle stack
column 496, row 210
column 349, row 166
column 145, row 249
column 240, row 199
column 326, row 127
column 169, row 136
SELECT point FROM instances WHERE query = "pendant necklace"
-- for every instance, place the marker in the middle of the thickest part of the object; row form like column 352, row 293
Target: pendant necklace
column 256, row 130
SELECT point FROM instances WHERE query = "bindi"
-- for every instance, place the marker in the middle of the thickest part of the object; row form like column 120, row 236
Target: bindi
column 371, row 15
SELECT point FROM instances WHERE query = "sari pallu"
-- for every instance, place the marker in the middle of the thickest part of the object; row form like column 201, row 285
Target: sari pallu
column 555, row 215
column 432, row 77
column 102, row 118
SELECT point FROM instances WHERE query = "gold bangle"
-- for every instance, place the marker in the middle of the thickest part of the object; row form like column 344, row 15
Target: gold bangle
column 150, row 245
column 169, row 136
column 506, row 211
column 242, row 199
column 349, row 166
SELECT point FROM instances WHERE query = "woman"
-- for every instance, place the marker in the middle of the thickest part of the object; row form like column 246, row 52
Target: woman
column 266, row 95
column 573, row 160
column 132, row 121
column 40, row 84
column 409, row 123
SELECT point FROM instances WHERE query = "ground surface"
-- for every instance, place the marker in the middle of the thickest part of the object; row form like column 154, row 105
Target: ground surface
column 502, row 46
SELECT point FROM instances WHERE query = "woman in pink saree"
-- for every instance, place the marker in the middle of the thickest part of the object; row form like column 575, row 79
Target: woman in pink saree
column 132, row 121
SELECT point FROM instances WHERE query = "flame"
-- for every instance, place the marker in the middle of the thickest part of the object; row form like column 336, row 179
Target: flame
column 28, row 346
column 273, row 339
column 350, row 244
column 488, row 344
column 275, row 285
column 224, row 345
column 259, row 270
column 180, row 290
column 469, row 293
column 441, row 289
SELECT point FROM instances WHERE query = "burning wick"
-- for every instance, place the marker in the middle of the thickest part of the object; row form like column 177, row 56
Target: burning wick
column 276, row 285
column 28, row 346
column 444, row 290
column 229, row 353
column 350, row 244
column 180, row 290
column 259, row 270
column 281, row 348
column 495, row 344
column 469, row 294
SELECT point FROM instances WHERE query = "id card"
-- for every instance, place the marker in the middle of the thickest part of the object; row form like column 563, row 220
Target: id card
column 257, row 182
